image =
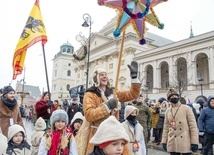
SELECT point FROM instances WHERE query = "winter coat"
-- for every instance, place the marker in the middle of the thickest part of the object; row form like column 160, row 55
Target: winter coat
column 72, row 147
column 135, row 134
column 144, row 117
column 95, row 109
column 24, row 151
column 97, row 151
column 155, row 116
column 186, row 132
column 206, row 119
column 6, row 114
column 162, row 115
column 41, row 109
column 36, row 140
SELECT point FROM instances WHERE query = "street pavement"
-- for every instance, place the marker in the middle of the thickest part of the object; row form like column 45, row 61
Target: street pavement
column 153, row 148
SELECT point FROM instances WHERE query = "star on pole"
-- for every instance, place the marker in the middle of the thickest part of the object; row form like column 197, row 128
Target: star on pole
column 134, row 12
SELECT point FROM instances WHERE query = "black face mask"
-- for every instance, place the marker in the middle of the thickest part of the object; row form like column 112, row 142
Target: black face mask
column 131, row 119
column 174, row 100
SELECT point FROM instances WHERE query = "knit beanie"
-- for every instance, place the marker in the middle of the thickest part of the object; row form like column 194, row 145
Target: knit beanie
column 14, row 129
column 3, row 143
column 78, row 115
column 40, row 124
column 109, row 130
column 7, row 89
column 129, row 109
column 96, row 79
column 170, row 93
column 59, row 115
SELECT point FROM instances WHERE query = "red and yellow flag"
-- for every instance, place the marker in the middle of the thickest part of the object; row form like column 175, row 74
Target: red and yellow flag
column 34, row 31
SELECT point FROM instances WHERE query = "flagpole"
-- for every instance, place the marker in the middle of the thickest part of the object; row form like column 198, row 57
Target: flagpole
column 46, row 73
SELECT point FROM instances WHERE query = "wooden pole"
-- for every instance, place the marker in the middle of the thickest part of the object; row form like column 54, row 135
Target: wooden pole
column 118, row 69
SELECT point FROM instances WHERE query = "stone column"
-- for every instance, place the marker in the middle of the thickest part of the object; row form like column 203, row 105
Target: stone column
column 155, row 78
column 190, row 72
column 211, row 67
column 158, row 70
column 171, row 70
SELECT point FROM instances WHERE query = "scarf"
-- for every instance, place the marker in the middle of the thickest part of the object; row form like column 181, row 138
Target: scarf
column 12, row 146
column 9, row 103
column 56, row 140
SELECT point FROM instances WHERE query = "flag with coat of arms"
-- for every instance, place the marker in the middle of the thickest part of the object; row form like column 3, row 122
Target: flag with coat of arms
column 33, row 32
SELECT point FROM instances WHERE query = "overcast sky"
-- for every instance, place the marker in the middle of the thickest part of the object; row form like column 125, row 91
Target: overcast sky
column 63, row 20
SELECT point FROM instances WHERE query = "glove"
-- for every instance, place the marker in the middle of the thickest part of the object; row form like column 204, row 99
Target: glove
column 201, row 134
column 164, row 147
column 133, row 69
column 50, row 103
column 112, row 103
column 194, row 147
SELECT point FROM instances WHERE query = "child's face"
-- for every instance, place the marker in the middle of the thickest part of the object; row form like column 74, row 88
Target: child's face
column 77, row 126
column 115, row 148
column 212, row 103
column 18, row 138
column 59, row 125
column 134, row 113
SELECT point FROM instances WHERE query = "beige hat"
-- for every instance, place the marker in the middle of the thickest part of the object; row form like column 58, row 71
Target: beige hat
column 96, row 79
column 171, row 92
column 3, row 143
column 78, row 115
column 129, row 109
column 40, row 124
column 110, row 129
column 14, row 129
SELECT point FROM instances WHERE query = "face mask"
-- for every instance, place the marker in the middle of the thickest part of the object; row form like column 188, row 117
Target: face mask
column 131, row 118
column 174, row 100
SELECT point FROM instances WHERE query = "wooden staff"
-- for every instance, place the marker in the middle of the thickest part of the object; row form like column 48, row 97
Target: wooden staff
column 118, row 70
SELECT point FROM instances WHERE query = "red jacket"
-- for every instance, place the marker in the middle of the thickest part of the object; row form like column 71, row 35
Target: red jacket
column 41, row 108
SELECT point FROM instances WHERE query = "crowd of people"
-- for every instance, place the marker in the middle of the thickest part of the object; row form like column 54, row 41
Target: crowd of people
column 106, row 122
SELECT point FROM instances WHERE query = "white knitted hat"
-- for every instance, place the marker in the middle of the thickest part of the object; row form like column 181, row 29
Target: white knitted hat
column 96, row 79
column 129, row 109
column 78, row 115
column 59, row 115
column 14, row 129
column 3, row 143
column 110, row 129
column 40, row 124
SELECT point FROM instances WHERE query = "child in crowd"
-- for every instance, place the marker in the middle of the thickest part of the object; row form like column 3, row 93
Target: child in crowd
column 110, row 138
column 59, row 139
column 17, row 145
column 135, row 131
column 3, row 143
column 76, row 123
column 37, row 135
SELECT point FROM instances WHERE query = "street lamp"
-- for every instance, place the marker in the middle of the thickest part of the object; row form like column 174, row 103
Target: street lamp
column 87, row 23
column 200, row 80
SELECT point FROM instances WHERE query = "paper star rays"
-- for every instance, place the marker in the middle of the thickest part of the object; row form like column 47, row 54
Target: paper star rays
column 134, row 12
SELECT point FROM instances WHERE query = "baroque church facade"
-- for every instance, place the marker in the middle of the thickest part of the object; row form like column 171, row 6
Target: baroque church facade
column 187, row 65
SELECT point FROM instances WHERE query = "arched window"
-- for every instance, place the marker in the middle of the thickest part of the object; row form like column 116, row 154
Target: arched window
column 68, row 73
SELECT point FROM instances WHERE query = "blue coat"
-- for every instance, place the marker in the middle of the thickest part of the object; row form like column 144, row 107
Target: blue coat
column 206, row 118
